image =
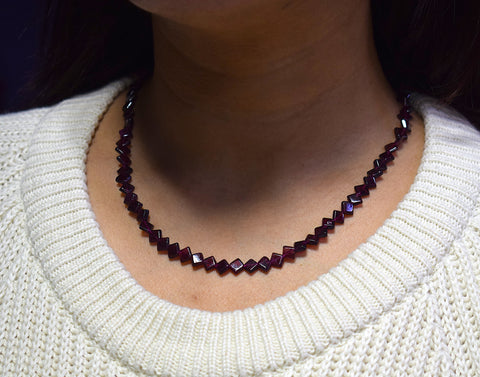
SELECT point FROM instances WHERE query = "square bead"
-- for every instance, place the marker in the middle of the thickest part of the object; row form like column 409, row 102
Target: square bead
column 276, row 260
column 328, row 223
column 370, row 181
column 321, row 231
column 288, row 252
column 236, row 266
column 338, row 217
column 300, row 246
column 264, row 264
column 312, row 239
column 185, row 254
column 155, row 235
column 163, row 243
column 355, row 199
column 250, row 266
column 173, row 250
column 362, row 190
column 347, row 208
column 209, row 263
column 222, row 266
column 197, row 259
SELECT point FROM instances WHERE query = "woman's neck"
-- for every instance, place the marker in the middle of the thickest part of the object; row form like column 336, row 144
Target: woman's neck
column 239, row 100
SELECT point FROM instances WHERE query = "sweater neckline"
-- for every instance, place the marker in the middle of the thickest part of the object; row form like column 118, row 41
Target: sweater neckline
column 159, row 338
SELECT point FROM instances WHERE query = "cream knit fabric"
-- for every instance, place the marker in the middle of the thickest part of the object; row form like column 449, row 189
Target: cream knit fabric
column 405, row 303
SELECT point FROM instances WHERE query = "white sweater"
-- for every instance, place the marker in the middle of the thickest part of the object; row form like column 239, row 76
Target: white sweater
column 407, row 302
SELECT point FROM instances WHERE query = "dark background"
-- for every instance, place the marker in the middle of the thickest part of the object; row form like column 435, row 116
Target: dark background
column 19, row 39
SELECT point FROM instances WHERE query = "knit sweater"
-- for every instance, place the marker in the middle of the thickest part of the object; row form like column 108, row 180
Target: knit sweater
column 406, row 302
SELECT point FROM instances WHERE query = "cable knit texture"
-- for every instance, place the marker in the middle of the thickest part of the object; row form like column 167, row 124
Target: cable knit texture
column 406, row 302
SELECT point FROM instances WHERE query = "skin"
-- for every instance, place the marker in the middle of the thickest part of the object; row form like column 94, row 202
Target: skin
column 259, row 119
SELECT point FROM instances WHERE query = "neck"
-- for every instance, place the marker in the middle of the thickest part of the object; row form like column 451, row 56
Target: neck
column 265, row 92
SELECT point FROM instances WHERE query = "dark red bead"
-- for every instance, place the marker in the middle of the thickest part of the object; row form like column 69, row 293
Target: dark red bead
column 124, row 160
column 311, row 239
column 209, row 263
column 236, row 266
column 288, row 249
column 123, row 142
column 328, row 223
column 386, row 156
column 125, row 132
column 264, row 264
column 222, row 266
column 146, row 226
column 288, row 252
column 370, row 181
column 125, row 170
column 338, row 217
column 400, row 133
column 131, row 197
column 406, row 125
column 123, row 150
column 276, row 260
column 163, row 243
column 392, row 147
column 172, row 250
column 404, row 114
column 375, row 173
column 155, row 235
column 123, row 179
column 321, row 231
column 128, row 123
column 362, row 190
column 135, row 206
column 128, row 109
column 379, row 164
column 250, row 266
column 127, row 188
column 143, row 215
column 300, row 246
column 347, row 208
column 197, row 259
column 355, row 199
column 185, row 254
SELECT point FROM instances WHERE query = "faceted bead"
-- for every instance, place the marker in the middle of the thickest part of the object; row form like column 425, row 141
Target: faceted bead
column 163, row 243
column 123, row 179
column 125, row 132
column 321, row 231
column 347, row 208
column 128, row 123
column 197, row 259
column 236, row 266
column 338, row 217
column 209, row 263
column 128, row 109
column 328, row 223
column 300, row 246
column 404, row 114
column 406, row 125
column 146, row 226
column 392, row 147
column 370, row 181
column 264, row 264
column 185, row 254
column 311, row 239
column 250, row 266
column 173, row 250
column 135, row 206
column 288, row 252
column 355, row 199
column 379, row 165
column 132, row 197
column 222, row 266
column 127, row 188
column 123, row 142
column 155, row 235
column 387, row 156
column 124, row 160
column 143, row 215
column 126, row 170
column 375, row 173
column 400, row 133
column 123, row 150
column 362, row 190
column 276, row 260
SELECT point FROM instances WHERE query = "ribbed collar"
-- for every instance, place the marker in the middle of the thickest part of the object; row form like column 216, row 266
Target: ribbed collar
column 159, row 338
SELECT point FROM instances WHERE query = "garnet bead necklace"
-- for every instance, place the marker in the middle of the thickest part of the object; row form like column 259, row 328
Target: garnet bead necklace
column 185, row 255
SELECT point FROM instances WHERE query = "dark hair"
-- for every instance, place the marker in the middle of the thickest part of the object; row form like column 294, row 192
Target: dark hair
column 427, row 46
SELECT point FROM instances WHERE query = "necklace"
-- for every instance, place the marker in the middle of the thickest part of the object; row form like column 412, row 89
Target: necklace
column 185, row 255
